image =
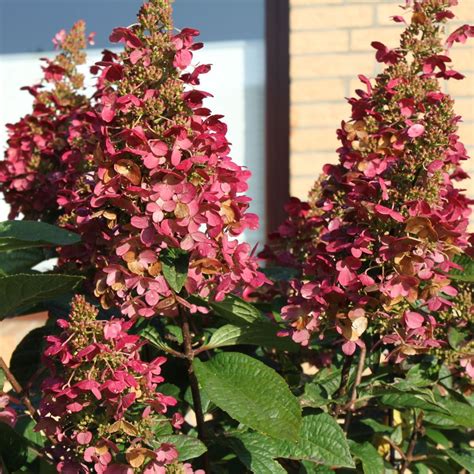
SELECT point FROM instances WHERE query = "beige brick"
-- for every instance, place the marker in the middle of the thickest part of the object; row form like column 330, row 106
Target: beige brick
column 300, row 186
column 313, row 90
column 321, row 115
column 332, row 65
column 318, row 41
column 462, row 88
column 363, row 37
column 463, row 58
column 466, row 133
column 465, row 10
column 362, row 2
column 465, row 108
column 12, row 331
column 316, row 139
column 386, row 11
column 330, row 17
column 296, row 3
column 310, row 164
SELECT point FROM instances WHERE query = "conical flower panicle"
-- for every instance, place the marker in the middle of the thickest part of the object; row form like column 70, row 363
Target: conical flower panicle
column 164, row 178
column 101, row 410
column 384, row 225
column 49, row 149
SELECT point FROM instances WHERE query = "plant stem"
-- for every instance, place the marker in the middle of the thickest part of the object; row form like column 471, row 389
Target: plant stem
column 18, row 389
column 417, row 424
column 342, row 390
column 193, row 382
column 358, row 378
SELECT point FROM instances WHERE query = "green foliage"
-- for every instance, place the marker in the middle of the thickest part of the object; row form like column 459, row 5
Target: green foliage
column 251, row 393
column 26, row 234
column 187, row 446
column 175, row 263
column 260, row 333
column 20, row 292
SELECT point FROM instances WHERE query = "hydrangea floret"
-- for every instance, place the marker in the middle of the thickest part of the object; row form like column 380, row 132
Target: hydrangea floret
column 101, row 407
column 165, row 184
column 49, row 149
column 382, row 230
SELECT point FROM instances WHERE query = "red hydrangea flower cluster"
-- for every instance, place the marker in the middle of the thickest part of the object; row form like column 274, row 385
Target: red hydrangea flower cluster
column 49, row 149
column 164, row 178
column 383, row 227
column 101, row 410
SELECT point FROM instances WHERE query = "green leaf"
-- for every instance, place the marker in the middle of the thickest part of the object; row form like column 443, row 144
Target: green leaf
column 460, row 413
column 467, row 272
column 455, row 337
column 236, row 310
column 464, row 458
column 437, row 437
column 398, row 399
column 321, row 441
column 276, row 273
column 250, row 392
column 25, row 427
column 152, row 335
column 371, row 461
column 23, row 291
column 188, row 447
column 13, row 448
column 175, row 265
column 17, row 261
column 255, row 455
column 26, row 358
column 2, row 379
column 25, row 234
column 260, row 333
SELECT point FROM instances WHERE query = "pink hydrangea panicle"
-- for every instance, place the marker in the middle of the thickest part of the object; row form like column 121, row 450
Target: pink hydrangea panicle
column 104, row 402
column 165, row 182
column 376, row 242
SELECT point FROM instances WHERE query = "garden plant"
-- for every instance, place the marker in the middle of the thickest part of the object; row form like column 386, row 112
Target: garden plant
column 172, row 346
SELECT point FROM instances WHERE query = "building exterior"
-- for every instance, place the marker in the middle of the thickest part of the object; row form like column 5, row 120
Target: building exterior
column 314, row 51
column 329, row 46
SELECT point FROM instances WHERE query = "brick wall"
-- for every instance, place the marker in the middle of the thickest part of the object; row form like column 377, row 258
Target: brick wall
column 330, row 46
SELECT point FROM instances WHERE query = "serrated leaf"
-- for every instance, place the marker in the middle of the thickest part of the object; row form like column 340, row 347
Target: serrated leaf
column 188, row 447
column 464, row 458
column 152, row 335
column 175, row 266
column 254, row 455
column 372, row 462
column 251, row 393
column 26, row 234
column 459, row 412
column 260, row 333
column 16, row 261
column 236, row 310
column 23, row 291
column 399, row 399
column 321, row 440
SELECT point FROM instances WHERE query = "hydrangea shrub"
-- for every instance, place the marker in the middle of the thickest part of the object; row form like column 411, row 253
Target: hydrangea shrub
column 165, row 349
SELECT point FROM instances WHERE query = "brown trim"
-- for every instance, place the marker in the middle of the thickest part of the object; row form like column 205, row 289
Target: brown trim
column 277, row 129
